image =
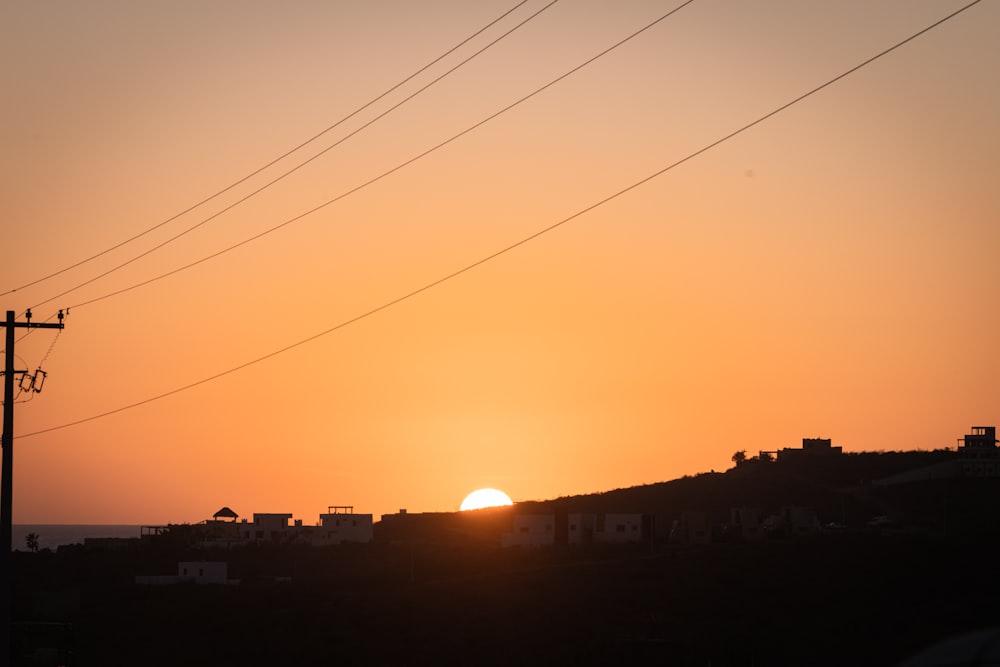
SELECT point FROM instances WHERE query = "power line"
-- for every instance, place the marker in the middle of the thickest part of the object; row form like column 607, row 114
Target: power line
column 521, row 242
column 259, row 170
column 30, row 331
column 384, row 174
column 7, row 475
column 293, row 169
column 282, row 176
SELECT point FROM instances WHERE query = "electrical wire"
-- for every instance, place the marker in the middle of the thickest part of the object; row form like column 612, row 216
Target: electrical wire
column 384, row 174
column 523, row 241
column 259, row 170
column 282, row 176
column 32, row 330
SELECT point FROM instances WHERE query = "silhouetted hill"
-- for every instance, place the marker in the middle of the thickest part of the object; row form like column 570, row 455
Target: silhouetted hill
column 838, row 488
column 482, row 526
column 436, row 589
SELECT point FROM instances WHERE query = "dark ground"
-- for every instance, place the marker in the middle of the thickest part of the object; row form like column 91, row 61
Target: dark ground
column 437, row 590
column 845, row 598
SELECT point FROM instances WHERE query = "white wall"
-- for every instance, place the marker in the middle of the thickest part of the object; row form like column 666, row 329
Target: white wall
column 337, row 528
column 620, row 528
column 203, row 572
column 531, row 530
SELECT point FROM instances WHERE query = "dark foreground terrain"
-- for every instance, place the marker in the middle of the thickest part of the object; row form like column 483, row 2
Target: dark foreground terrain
column 846, row 598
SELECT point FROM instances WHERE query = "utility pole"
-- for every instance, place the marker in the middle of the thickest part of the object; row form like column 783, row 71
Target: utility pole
column 7, row 482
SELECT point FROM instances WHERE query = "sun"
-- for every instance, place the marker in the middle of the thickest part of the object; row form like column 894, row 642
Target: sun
column 485, row 498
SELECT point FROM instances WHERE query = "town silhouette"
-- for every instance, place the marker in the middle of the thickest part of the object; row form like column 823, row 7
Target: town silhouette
column 362, row 260
column 800, row 556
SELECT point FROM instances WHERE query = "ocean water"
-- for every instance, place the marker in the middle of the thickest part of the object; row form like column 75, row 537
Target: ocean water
column 51, row 536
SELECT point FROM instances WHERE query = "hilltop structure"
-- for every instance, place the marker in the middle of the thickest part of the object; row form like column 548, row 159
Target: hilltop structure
column 340, row 524
column 734, row 512
column 977, row 456
column 980, row 444
column 811, row 448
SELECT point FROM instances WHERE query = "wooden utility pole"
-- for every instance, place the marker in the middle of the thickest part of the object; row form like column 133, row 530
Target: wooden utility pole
column 7, row 482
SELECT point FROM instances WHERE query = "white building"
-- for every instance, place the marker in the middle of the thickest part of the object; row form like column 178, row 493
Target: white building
column 531, row 530
column 340, row 524
column 747, row 523
column 266, row 528
column 798, row 520
column 581, row 529
column 199, row 572
column 621, row 528
column 692, row 528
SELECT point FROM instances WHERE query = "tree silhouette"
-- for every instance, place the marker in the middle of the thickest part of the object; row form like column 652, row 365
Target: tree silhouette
column 31, row 541
column 740, row 457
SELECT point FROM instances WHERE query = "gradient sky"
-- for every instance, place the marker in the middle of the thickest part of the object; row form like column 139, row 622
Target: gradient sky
column 831, row 272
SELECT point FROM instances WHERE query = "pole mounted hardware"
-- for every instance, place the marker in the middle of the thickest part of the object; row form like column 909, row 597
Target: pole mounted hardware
column 7, row 481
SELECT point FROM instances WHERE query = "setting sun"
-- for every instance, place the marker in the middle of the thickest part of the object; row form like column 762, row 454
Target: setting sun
column 485, row 498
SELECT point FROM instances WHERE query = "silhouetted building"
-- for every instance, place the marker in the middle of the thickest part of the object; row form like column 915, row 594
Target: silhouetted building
column 110, row 543
column 981, row 467
column 746, row 523
column 199, row 572
column 217, row 532
column 977, row 456
column 691, row 528
column 266, row 527
column 811, row 447
column 225, row 513
column 981, row 443
column 340, row 524
column 797, row 520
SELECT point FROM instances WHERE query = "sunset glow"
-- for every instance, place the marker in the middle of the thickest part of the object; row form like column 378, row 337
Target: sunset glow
column 554, row 277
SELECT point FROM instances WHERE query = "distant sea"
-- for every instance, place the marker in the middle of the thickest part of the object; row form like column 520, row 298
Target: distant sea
column 52, row 536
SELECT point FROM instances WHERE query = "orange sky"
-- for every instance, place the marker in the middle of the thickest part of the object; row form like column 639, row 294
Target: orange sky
column 831, row 272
